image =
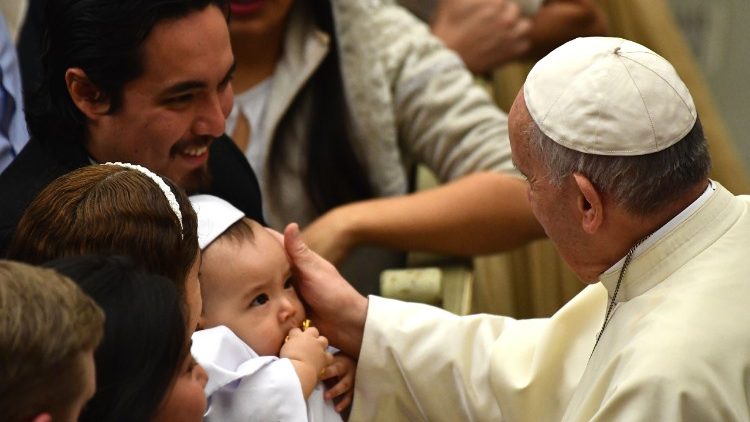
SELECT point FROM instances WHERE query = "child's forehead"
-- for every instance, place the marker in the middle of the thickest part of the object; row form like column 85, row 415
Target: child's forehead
column 261, row 240
column 263, row 252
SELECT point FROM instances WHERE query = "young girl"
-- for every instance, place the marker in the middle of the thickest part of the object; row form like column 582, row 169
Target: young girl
column 146, row 346
column 115, row 209
column 128, row 210
column 260, row 361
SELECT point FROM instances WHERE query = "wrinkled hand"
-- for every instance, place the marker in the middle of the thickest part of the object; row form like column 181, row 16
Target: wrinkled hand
column 485, row 33
column 341, row 372
column 308, row 347
column 335, row 307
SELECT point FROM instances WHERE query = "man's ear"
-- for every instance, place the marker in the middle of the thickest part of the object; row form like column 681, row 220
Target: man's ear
column 589, row 204
column 85, row 94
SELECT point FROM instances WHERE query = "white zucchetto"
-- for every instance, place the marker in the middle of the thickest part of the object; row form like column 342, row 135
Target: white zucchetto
column 215, row 216
column 609, row 96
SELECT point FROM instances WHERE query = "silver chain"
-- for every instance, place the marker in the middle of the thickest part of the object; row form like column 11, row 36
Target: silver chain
column 611, row 306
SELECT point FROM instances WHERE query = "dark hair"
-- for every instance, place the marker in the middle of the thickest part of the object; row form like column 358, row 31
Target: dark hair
column 329, row 136
column 240, row 231
column 145, row 336
column 105, row 39
column 109, row 209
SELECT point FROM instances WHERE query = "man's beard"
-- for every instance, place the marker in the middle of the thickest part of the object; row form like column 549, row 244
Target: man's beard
column 199, row 179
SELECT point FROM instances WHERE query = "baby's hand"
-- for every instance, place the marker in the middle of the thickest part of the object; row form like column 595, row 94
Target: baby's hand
column 341, row 374
column 307, row 352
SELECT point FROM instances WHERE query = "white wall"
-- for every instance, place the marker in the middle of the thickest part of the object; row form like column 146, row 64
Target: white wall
column 719, row 33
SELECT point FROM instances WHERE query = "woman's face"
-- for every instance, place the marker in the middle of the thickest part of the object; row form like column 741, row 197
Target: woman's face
column 257, row 18
column 193, row 295
column 185, row 401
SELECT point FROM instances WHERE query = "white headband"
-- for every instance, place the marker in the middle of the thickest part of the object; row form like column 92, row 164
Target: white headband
column 162, row 185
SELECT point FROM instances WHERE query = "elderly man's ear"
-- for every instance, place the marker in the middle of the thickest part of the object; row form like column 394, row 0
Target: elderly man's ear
column 85, row 94
column 589, row 204
column 43, row 417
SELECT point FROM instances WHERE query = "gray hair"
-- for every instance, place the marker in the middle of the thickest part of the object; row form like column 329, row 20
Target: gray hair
column 641, row 184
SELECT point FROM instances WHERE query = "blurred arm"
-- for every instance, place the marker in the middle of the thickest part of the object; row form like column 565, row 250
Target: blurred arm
column 478, row 214
column 559, row 21
column 485, row 33
column 490, row 33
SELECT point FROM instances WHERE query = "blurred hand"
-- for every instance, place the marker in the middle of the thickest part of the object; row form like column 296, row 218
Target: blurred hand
column 335, row 307
column 485, row 33
column 341, row 372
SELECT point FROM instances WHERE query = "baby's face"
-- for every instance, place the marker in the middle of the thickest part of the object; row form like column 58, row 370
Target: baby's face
column 247, row 286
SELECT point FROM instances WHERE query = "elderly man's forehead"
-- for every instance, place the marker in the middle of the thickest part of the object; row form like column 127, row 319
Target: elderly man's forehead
column 519, row 116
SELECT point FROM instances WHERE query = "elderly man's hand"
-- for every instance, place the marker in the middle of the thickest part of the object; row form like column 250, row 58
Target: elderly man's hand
column 335, row 307
column 485, row 33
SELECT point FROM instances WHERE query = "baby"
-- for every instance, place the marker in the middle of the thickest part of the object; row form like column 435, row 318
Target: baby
column 261, row 363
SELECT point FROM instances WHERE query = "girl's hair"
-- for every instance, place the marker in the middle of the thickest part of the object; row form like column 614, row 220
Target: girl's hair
column 108, row 209
column 145, row 336
column 329, row 136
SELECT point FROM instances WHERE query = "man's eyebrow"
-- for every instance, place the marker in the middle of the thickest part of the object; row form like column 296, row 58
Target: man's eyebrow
column 185, row 86
column 229, row 73
column 181, row 87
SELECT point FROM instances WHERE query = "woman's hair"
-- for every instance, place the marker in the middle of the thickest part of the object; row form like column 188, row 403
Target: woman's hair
column 329, row 141
column 109, row 209
column 47, row 324
column 145, row 336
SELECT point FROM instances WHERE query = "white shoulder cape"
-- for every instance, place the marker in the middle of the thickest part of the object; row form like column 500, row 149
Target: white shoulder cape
column 243, row 386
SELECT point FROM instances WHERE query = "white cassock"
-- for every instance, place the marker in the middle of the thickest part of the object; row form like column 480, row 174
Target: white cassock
column 243, row 386
column 677, row 347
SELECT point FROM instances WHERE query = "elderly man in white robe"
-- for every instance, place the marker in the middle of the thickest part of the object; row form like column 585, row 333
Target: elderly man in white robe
column 608, row 137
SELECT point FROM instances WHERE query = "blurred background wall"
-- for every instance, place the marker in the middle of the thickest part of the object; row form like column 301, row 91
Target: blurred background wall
column 718, row 34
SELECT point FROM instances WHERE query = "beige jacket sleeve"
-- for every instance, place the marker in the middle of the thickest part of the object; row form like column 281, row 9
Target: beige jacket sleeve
column 425, row 8
column 444, row 119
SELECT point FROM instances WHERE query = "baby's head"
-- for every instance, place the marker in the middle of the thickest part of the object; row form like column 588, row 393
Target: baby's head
column 245, row 277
